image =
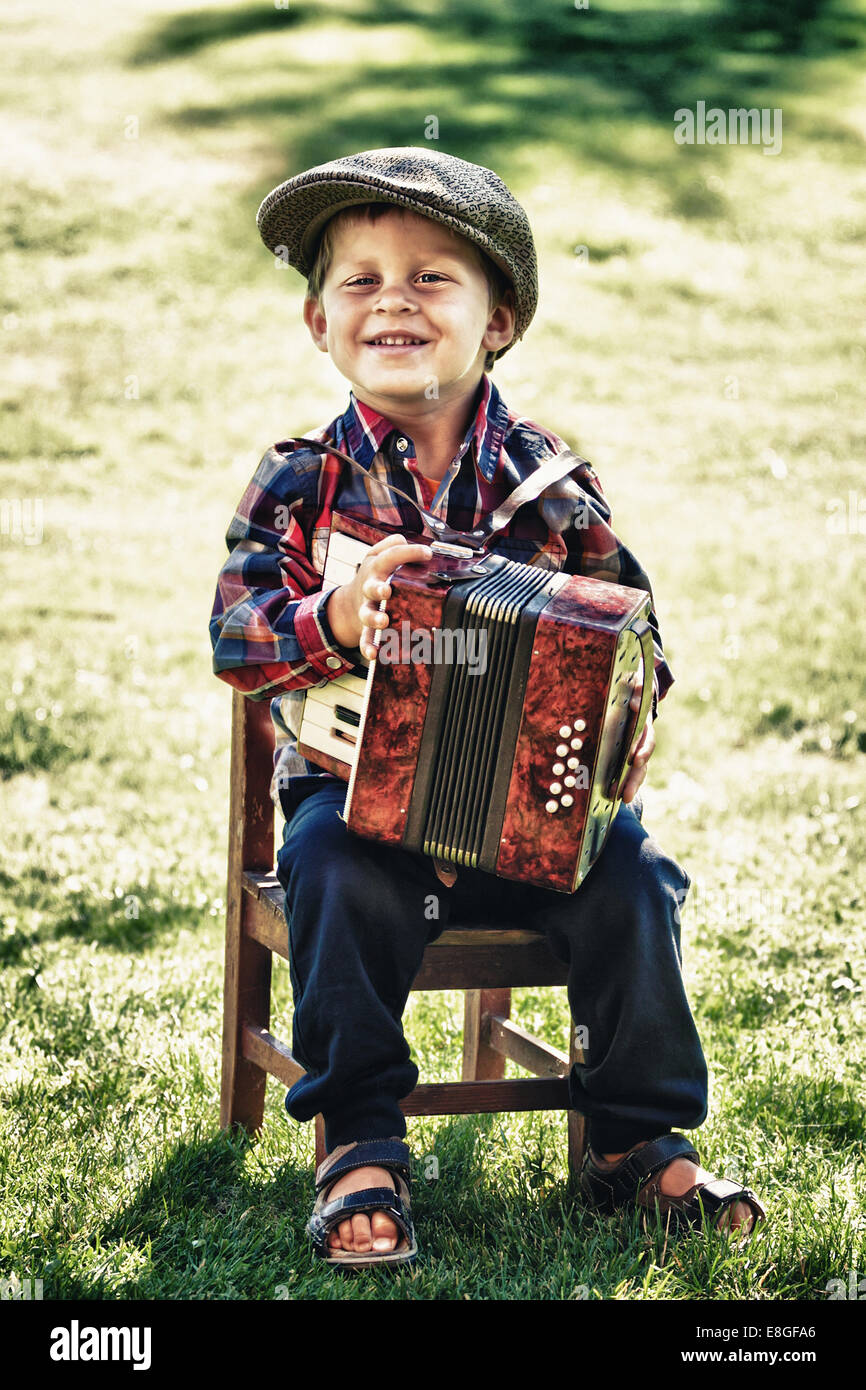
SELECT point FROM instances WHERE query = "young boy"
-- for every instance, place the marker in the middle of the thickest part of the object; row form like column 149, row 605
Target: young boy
column 421, row 273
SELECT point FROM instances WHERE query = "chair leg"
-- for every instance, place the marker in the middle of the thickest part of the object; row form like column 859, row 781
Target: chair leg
column 321, row 1151
column 247, row 998
column 480, row 1062
column 576, row 1122
column 248, row 963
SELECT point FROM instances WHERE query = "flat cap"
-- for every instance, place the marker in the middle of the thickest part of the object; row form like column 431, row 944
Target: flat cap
column 470, row 199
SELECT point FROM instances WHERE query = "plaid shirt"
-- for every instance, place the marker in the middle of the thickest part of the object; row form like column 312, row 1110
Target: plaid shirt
column 269, row 629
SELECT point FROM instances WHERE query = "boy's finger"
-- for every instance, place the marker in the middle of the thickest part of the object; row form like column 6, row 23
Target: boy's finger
column 386, row 561
column 635, row 745
column 632, row 783
column 643, row 747
column 374, row 588
column 387, row 541
column 372, row 616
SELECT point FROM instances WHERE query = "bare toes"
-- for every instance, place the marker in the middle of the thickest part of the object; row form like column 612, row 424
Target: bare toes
column 384, row 1231
column 363, row 1239
column 346, row 1235
column 736, row 1218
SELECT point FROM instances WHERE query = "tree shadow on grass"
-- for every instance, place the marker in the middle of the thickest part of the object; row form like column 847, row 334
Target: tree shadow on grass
column 211, row 1224
column 543, row 32
column 192, row 31
column 129, row 919
column 501, row 77
column 192, row 1218
column 638, row 59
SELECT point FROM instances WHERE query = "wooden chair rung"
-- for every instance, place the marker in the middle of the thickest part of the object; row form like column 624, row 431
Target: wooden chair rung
column 486, row 1097
column 523, row 1048
column 266, row 1051
column 428, row 1098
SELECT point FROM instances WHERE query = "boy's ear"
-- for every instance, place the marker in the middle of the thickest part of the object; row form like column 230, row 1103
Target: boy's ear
column 500, row 327
column 316, row 322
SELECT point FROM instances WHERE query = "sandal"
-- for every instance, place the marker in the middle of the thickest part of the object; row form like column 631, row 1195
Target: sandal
column 391, row 1154
column 635, row 1181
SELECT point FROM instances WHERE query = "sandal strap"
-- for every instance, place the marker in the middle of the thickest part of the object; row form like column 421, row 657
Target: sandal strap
column 370, row 1199
column 715, row 1197
column 703, row 1201
column 367, row 1153
column 622, row 1183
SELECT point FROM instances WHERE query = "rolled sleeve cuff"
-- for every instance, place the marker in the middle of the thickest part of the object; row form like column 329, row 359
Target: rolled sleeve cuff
column 316, row 637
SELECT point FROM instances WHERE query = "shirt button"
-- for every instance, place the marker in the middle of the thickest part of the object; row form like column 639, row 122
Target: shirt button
column 333, row 662
column 402, row 444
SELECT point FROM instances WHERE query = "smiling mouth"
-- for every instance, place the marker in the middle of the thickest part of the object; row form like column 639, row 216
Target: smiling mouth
column 396, row 340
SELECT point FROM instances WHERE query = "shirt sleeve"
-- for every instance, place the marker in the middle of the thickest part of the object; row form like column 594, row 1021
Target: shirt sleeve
column 268, row 627
column 595, row 550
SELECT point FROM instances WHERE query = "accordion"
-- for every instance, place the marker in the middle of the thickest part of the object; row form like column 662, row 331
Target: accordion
column 493, row 729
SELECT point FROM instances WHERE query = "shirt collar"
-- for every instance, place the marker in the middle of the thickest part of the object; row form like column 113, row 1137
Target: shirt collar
column 366, row 431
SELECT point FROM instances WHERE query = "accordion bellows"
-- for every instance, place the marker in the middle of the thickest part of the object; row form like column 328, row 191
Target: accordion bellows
column 493, row 728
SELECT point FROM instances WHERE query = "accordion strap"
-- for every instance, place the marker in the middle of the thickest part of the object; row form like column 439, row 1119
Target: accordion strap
column 550, row 472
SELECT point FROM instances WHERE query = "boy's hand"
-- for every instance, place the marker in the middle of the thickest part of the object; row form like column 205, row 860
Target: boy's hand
column 641, row 750
column 353, row 609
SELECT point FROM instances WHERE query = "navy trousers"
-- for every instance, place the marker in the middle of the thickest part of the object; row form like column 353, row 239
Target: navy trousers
column 361, row 914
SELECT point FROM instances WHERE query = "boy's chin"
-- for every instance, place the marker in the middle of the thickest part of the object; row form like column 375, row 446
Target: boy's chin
column 406, row 382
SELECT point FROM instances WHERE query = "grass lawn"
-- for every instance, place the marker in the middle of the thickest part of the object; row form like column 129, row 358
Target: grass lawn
column 700, row 338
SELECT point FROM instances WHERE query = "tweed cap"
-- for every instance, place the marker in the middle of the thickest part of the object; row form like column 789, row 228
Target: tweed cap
column 471, row 200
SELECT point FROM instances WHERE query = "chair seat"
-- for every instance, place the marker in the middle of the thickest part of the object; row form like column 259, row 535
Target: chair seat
column 267, row 888
column 462, row 957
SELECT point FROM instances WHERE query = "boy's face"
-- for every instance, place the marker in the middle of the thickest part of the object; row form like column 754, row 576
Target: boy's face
column 406, row 275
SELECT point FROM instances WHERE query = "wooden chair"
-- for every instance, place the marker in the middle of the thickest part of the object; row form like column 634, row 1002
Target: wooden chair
column 485, row 962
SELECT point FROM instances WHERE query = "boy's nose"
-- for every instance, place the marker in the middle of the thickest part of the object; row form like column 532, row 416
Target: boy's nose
column 391, row 295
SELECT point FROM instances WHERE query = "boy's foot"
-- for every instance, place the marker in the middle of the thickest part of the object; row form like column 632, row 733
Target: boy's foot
column 363, row 1233
column 681, row 1175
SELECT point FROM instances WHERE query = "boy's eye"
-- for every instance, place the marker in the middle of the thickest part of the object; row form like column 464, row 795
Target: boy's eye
column 359, row 279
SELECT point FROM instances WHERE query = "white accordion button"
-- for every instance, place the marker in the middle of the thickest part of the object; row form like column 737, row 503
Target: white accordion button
column 556, row 788
column 558, row 769
column 551, row 807
column 574, row 762
column 580, row 724
column 577, row 743
column 561, row 750
column 567, row 800
column 568, row 781
column 565, row 730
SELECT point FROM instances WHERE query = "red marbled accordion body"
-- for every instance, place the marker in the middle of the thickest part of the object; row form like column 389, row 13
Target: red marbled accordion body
column 573, row 731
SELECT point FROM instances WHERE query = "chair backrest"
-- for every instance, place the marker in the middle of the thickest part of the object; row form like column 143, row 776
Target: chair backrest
column 251, row 810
